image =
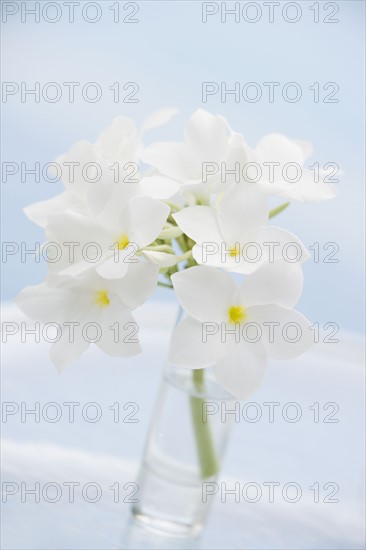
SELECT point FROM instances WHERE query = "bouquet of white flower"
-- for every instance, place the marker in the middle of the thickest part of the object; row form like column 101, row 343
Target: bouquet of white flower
column 184, row 216
column 196, row 213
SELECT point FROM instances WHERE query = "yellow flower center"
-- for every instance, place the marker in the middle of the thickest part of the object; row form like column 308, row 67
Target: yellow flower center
column 234, row 251
column 236, row 314
column 123, row 242
column 101, row 298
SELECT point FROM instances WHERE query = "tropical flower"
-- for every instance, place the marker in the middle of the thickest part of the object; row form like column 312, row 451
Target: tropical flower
column 109, row 162
column 234, row 327
column 87, row 308
column 213, row 157
column 235, row 236
column 208, row 138
column 121, row 226
column 280, row 163
column 109, row 239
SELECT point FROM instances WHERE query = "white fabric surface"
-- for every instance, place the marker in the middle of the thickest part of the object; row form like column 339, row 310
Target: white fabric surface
column 105, row 452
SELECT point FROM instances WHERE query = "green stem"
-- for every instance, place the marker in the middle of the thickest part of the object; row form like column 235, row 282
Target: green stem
column 165, row 285
column 205, row 447
column 275, row 211
column 183, row 257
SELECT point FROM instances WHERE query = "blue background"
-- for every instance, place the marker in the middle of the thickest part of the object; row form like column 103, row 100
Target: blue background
column 169, row 53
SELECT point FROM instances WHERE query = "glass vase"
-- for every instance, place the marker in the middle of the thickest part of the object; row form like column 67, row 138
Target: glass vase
column 184, row 450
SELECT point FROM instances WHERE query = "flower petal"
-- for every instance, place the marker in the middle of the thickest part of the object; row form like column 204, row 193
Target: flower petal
column 163, row 259
column 189, row 347
column 39, row 212
column 115, row 266
column 168, row 158
column 207, row 137
column 214, row 255
column 80, row 241
column 206, row 140
column 305, row 146
column 159, row 187
column 108, row 203
column 242, row 370
column 204, row 292
column 278, row 283
column 146, row 219
column 119, row 331
column 137, row 285
column 200, row 224
column 158, row 118
column 81, row 154
column 276, row 243
column 119, row 141
column 64, row 351
column 307, row 190
column 43, row 303
column 291, row 336
column 242, row 210
column 279, row 148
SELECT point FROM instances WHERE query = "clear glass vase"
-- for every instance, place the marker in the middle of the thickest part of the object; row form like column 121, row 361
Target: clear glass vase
column 184, row 450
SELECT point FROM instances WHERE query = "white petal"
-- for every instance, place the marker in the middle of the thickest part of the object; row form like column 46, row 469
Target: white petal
column 276, row 243
column 305, row 146
column 115, row 266
column 123, row 339
column 291, row 336
column 44, row 303
column 307, row 190
column 211, row 254
column 101, row 192
column 204, row 292
column 158, row 118
column 163, row 259
column 72, row 227
column 206, row 140
column 159, row 187
column 64, row 351
column 137, row 285
column 86, row 240
column 62, row 305
column 146, row 219
column 237, row 154
column 278, row 283
column 279, row 148
column 200, row 224
column 190, row 348
column 169, row 158
column 207, row 136
column 81, row 153
column 75, row 269
column 39, row 212
column 119, row 141
column 242, row 210
column 242, row 370
column 109, row 204
column 238, row 151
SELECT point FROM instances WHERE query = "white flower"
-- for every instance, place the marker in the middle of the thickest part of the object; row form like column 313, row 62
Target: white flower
column 114, row 226
column 235, row 236
column 213, row 157
column 215, row 305
column 208, row 138
column 109, row 239
column 288, row 178
column 74, row 302
column 110, row 161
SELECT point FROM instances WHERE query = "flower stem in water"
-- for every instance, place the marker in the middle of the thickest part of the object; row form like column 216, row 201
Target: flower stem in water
column 205, row 448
